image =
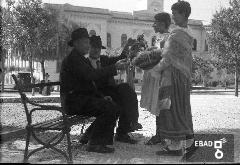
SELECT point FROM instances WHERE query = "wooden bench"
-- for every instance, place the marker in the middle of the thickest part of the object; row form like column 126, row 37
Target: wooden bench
column 61, row 124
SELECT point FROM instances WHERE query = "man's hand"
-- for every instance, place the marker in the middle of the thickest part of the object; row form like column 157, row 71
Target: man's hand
column 122, row 64
column 109, row 98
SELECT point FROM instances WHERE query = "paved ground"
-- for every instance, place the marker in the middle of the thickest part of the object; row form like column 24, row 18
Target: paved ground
column 212, row 113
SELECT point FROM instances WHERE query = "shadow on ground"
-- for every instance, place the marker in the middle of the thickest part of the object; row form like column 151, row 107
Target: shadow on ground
column 124, row 153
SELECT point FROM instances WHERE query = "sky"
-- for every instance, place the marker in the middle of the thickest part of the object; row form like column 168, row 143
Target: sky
column 201, row 9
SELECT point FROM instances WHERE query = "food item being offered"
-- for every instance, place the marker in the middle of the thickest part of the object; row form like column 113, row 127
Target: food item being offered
column 137, row 45
column 147, row 59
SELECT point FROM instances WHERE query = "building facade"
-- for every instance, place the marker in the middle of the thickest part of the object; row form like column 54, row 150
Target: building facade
column 116, row 27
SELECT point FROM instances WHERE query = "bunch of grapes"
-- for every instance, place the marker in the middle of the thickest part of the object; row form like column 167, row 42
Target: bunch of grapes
column 147, row 59
column 142, row 58
column 137, row 45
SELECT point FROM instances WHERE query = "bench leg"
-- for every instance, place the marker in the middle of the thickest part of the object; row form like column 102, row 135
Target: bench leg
column 26, row 147
column 69, row 148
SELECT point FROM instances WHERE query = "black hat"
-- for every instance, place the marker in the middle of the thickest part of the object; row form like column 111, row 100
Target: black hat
column 77, row 34
column 96, row 41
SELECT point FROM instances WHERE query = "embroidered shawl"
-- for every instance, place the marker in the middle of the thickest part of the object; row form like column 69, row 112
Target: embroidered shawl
column 177, row 53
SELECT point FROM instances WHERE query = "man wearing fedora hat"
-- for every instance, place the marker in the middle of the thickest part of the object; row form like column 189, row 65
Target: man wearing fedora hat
column 122, row 93
column 80, row 96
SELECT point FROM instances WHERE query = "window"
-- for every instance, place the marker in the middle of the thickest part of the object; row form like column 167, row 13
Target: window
column 153, row 41
column 92, row 32
column 194, row 44
column 109, row 44
column 206, row 46
column 123, row 40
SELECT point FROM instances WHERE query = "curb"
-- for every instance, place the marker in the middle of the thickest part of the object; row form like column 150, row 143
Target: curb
column 56, row 99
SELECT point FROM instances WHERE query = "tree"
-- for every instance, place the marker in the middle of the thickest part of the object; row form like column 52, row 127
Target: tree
column 224, row 39
column 38, row 39
column 8, row 29
column 47, row 37
column 202, row 69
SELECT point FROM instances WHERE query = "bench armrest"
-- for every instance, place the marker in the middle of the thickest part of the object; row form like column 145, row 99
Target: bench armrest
column 46, row 107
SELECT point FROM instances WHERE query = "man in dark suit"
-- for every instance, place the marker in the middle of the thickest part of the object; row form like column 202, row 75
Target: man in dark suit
column 122, row 93
column 79, row 95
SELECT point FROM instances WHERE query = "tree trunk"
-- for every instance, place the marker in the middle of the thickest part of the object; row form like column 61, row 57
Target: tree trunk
column 31, row 73
column 43, row 69
column 236, row 80
column 3, row 72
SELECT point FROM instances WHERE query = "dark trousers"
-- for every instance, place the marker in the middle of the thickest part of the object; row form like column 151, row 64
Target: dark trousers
column 124, row 96
column 101, row 131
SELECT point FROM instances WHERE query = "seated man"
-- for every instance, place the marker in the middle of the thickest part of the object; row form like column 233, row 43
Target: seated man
column 122, row 94
column 79, row 95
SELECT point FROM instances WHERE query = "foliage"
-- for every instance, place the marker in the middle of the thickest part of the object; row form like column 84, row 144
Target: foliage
column 201, row 69
column 137, row 45
column 224, row 39
column 8, row 27
column 39, row 29
column 224, row 36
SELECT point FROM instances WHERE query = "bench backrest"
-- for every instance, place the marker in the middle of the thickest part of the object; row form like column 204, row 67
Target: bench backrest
column 20, row 88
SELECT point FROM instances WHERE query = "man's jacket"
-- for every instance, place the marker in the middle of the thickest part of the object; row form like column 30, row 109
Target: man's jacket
column 107, row 61
column 77, row 80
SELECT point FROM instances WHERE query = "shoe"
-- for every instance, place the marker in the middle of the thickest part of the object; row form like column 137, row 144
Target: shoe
column 136, row 126
column 192, row 148
column 83, row 139
column 167, row 152
column 154, row 140
column 99, row 149
column 125, row 138
column 189, row 152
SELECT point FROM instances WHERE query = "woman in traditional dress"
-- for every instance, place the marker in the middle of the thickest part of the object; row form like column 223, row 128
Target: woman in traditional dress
column 175, row 119
column 150, row 87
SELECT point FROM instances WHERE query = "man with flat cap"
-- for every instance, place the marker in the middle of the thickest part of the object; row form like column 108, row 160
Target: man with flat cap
column 122, row 93
column 79, row 95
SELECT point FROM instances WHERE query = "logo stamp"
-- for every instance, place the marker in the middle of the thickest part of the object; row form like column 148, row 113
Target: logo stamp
column 213, row 148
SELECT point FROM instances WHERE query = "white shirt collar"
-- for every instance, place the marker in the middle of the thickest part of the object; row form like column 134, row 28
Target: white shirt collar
column 94, row 62
column 86, row 55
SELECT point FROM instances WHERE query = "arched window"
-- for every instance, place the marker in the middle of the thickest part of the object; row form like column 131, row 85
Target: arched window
column 92, row 32
column 194, row 44
column 123, row 40
column 109, row 40
column 153, row 41
column 206, row 46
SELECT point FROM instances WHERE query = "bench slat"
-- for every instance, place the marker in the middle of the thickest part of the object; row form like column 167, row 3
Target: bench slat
column 58, row 124
column 72, row 121
column 47, row 122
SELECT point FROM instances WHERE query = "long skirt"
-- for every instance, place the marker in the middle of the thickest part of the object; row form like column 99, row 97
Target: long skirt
column 176, row 123
column 149, row 94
